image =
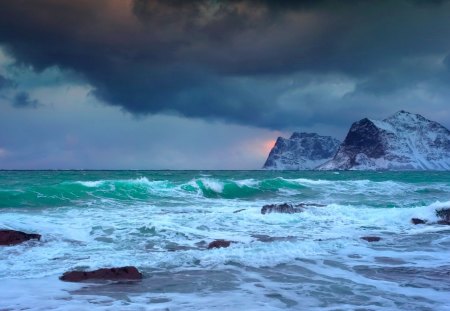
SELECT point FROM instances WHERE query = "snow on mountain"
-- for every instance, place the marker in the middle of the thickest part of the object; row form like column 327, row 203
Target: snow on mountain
column 404, row 141
column 302, row 151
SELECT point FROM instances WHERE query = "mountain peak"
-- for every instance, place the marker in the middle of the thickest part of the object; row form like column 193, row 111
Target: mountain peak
column 300, row 135
column 302, row 151
column 403, row 141
column 403, row 115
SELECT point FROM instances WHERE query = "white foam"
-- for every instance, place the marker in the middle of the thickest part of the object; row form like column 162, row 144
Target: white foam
column 247, row 183
column 108, row 233
column 135, row 181
column 310, row 181
column 212, row 184
column 91, row 184
column 46, row 293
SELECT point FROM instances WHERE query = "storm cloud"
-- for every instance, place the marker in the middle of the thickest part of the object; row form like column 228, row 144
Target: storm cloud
column 270, row 64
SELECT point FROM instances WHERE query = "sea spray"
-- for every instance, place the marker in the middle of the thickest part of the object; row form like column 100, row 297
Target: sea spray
column 162, row 222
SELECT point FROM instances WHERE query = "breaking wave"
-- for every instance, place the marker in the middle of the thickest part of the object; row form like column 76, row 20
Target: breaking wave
column 147, row 190
column 162, row 222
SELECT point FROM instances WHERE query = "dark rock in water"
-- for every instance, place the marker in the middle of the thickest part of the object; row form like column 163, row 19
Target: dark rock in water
column 444, row 214
column 371, row 238
column 284, row 208
column 12, row 237
column 443, row 222
column 219, row 244
column 418, row 221
column 174, row 247
column 111, row 274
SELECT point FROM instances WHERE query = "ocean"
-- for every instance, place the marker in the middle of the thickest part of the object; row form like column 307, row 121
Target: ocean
column 162, row 221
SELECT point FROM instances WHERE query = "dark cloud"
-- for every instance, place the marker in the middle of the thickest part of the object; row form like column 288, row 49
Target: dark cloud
column 23, row 100
column 229, row 60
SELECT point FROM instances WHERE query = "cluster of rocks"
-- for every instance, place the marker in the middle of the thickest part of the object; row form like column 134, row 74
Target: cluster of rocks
column 129, row 273
column 12, row 237
column 286, row 208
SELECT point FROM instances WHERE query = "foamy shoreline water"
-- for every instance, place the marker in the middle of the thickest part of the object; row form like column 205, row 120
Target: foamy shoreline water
column 160, row 221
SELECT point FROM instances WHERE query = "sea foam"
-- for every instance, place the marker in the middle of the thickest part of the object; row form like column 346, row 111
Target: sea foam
column 162, row 222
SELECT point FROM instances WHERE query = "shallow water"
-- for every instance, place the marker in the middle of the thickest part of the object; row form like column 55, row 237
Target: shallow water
column 162, row 221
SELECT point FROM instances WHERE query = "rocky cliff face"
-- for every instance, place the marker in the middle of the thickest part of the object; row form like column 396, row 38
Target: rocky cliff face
column 404, row 141
column 302, row 151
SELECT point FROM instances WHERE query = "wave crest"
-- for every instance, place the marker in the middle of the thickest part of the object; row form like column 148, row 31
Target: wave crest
column 145, row 189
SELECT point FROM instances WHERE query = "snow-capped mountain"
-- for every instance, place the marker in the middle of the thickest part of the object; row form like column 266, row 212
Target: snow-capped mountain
column 302, row 151
column 404, row 141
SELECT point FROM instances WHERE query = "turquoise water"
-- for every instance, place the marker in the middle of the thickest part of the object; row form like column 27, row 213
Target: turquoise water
column 161, row 222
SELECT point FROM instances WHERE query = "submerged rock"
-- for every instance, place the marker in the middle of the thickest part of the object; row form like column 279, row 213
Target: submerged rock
column 219, row 244
column 418, row 221
column 310, row 205
column 174, row 247
column 268, row 238
column 284, row 208
column 371, row 238
column 201, row 244
column 12, row 237
column 105, row 274
column 287, row 208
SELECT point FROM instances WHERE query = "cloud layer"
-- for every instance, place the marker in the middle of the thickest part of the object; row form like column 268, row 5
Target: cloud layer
column 272, row 64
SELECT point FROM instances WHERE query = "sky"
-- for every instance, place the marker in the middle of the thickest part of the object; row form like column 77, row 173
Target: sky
column 208, row 84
